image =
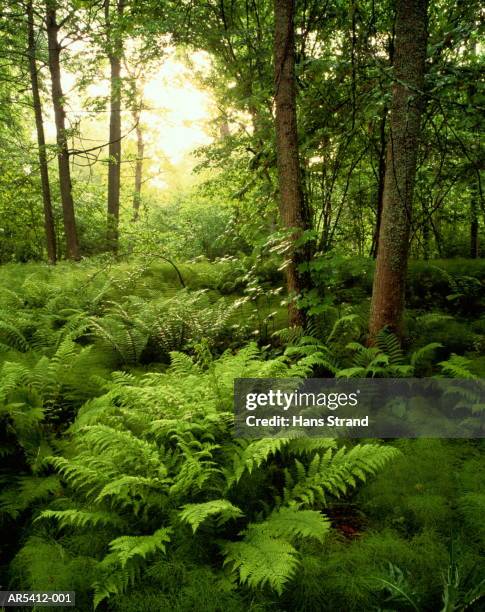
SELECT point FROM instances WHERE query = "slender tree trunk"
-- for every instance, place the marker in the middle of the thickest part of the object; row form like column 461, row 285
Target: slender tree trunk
column 437, row 236
column 224, row 131
column 382, row 155
column 426, row 232
column 72, row 245
column 474, row 224
column 381, row 179
column 50, row 232
column 140, row 148
column 114, row 151
column 291, row 202
column 406, row 108
column 475, row 190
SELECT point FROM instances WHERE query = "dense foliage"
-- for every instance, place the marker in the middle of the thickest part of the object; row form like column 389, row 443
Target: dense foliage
column 229, row 189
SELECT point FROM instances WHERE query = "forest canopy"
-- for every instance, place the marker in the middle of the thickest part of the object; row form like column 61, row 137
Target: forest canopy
column 141, row 84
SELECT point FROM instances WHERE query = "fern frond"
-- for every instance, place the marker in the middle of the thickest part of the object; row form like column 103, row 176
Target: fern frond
column 457, row 367
column 261, row 560
column 334, row 473
column 291, row 522
column 82, row 518
column 125, row 548
column 195, row 514
column 418, row 356
column 390, row 345
column 249, row 455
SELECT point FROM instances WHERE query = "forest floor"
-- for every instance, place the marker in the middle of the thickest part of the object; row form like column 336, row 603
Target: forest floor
column 412, row 538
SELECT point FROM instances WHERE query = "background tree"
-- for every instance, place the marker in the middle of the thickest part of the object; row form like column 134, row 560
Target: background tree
column 55, row 48
column 39, row 125
column 406, row 107
column 114, row 41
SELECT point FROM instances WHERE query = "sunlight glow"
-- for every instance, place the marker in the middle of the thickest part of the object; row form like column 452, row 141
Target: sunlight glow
column 177, row 111
column 175, row 119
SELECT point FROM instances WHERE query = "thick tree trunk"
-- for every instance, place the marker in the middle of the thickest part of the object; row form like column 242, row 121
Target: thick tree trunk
column 50, row 232
column 290, row 192
column 72, row 245
column 406, row 108
column 140, row 148
column 114, row 151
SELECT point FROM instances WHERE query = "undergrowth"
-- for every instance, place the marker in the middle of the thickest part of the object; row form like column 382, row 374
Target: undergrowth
column 122, row 480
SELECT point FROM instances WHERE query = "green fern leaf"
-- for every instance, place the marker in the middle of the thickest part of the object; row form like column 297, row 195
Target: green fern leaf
column 261, row 560
column 127, row 547
column 195, row 514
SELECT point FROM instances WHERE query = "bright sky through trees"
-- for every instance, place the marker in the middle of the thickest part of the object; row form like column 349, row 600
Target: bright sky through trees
column 176, row 116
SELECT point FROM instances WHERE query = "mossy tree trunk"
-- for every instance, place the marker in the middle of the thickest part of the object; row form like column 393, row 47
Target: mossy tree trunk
column 291, row 202
column 405, row 119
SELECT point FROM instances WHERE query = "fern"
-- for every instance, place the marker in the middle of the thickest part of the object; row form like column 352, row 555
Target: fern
column 249, row 455
column 148, row 447
column 126, row 548
column 457, row 367
column 196, row 514
column 333, row 473
column 112, row 579
column 152, row 449
column 27, row 490
column 390, row 345
column 293, row 523
column 120, row 568
column 261, row 560
column 82, row 518
column 418, row 356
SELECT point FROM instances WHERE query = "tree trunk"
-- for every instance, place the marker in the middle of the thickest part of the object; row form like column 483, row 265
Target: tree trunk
column 380, row 185
column 114, row 151
column 291, row 203
column 72, row 245
column 406, row 108
column 50, row 232
column 426, row 232
column 475, row 190
column 474, row 244
column 382, row 155
column 140, row 148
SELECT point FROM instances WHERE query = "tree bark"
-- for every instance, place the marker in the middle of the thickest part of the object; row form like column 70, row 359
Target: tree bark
column 406, row 108
column 140, row 148
column 114, row 165
column 72, row 246
column 291, row 202
column 50, row 232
